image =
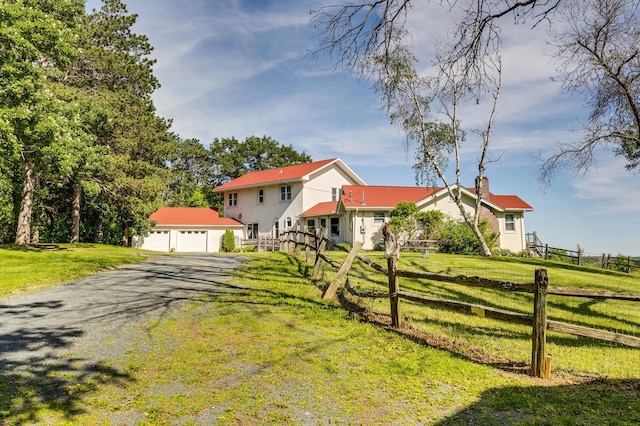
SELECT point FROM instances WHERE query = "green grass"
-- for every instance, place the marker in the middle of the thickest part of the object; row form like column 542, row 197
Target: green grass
column 272, row 352
column 510, row 343
column 30, row 269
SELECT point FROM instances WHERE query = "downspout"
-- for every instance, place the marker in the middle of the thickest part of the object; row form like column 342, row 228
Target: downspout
column 523, row 244
column 354, row 219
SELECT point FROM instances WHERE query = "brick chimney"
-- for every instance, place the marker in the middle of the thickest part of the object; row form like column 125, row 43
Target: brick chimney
column 484, row 185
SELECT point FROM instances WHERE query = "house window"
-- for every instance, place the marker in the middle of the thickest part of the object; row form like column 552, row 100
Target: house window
column 252, row 231
column 285, row 193
column 276, row 229
column 509, row 222
column 288, row 223
column 311, row 224
column 233, row 199
column 260, row 196
column 335, row 226
column 378, row 218
column 323, row 223
column 334, row 194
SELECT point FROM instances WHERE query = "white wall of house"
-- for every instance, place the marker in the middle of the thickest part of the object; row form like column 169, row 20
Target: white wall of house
column 446, row 205
column 512, row 237
column 365, row 227
column 319, row 187
column 249, row 209
column 200, row 239
column 512, row 233
column 304, row 195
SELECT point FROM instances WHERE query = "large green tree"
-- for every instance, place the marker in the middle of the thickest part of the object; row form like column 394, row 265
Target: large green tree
column 115, row 71
column 79, row 134
column 231, row 159
column 40, row 126
column 190, row 168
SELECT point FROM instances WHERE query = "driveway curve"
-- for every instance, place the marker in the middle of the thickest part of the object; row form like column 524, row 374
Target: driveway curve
column 92, row 319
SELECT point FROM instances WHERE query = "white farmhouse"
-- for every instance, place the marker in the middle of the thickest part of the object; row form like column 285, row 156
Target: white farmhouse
column 322, row 194
column 269, row 201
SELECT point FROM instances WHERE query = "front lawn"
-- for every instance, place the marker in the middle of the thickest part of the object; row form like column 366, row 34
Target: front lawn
column 28, row 269
column 274, row 353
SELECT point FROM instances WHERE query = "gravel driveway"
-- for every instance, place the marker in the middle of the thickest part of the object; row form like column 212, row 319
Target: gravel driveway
column 92, row 319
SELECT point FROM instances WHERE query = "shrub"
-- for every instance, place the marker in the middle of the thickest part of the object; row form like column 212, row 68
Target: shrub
column 407, row 222
column 458, row 238
column 228, row 241
column 620, row 263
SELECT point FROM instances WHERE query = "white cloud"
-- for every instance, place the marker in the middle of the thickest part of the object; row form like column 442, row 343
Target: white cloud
column 609, row 187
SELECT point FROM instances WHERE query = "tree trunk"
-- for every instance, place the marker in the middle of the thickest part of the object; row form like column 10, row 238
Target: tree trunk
column 125, row 234
column 486, row 251
column 23, row 232
column 75, row 213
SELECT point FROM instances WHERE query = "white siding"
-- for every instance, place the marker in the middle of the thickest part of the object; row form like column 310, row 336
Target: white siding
column 155, row 241
column 512, row 240
column 304, row 195
column 187, row 238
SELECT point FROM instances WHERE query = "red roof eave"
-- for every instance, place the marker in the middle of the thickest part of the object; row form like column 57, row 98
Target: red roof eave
column 190, row 217
column 321, row 209
column 276, row 175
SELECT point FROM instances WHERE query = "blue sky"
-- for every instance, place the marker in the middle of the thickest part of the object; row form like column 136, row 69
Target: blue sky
column 240, row 68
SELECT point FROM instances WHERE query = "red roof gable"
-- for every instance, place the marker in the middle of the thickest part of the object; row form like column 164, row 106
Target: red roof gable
column 191, row 216
column 382, row 196
column 321, row 209
column 279, row 174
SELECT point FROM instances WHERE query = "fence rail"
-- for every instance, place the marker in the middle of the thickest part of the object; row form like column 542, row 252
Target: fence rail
column 540, row 361
column 261, row 243
column 539, row 249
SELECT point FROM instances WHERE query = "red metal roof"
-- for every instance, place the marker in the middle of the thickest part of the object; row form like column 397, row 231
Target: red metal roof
column 357, row 196
column 279, row 174
column 321, row 209
column 509, row 202
column 191, row 216
column 390, row 196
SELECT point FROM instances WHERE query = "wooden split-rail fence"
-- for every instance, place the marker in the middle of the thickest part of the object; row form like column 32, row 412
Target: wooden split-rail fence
column 539, row 249
column 540, row 361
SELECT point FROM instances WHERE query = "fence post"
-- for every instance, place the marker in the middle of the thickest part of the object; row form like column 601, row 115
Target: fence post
column 580, row 250
column 330, row 292
column 546, row 252
column 629, row 265
column 392, row 252
column 292, row 243
column 609, row 261
column 320, row 245
column 540, row 365
column 307, row 250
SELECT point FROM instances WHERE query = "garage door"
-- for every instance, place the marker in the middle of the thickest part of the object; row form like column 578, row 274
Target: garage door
column 156, row 241
column 192, row 241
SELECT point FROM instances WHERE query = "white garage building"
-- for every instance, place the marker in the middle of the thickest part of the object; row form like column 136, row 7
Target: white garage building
column 188, row 229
